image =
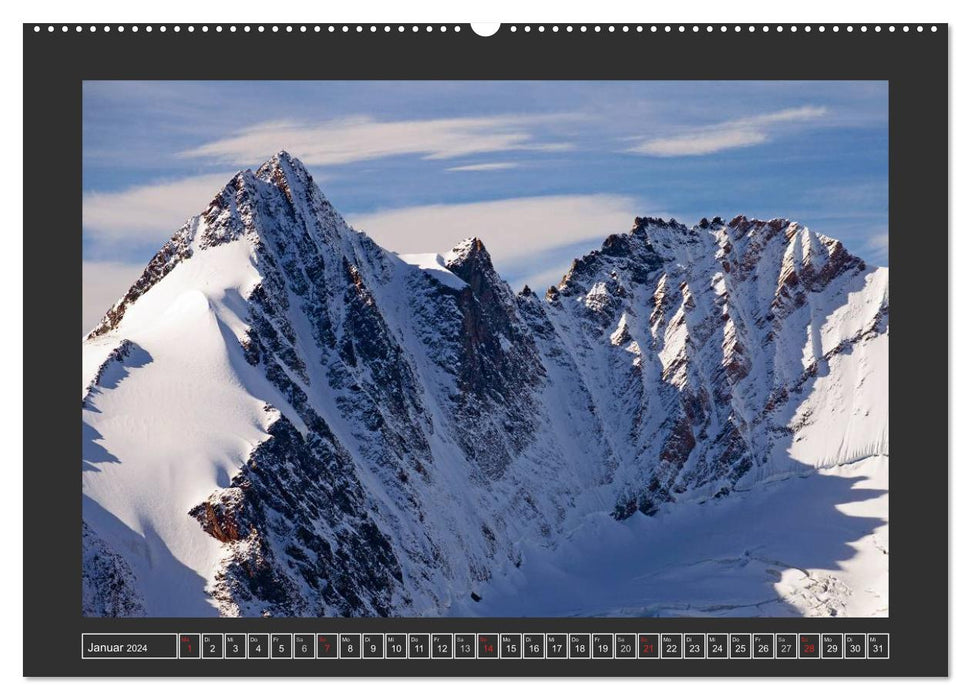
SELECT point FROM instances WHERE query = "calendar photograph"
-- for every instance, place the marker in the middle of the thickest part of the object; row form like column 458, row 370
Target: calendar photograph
column 485, row 349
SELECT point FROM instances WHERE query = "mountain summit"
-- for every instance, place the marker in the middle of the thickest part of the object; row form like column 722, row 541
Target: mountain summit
column 282, row 418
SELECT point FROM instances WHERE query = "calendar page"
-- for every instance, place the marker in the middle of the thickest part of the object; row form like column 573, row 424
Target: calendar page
column 571, row 342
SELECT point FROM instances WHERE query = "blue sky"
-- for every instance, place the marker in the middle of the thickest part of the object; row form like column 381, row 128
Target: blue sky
column 541, row 171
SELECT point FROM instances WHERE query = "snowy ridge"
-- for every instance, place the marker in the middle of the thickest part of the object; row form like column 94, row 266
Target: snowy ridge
column 282, row 418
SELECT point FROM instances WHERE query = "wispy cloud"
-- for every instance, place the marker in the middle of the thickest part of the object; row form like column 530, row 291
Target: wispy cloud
column 355, row 139
column 476, row 167
column 530, row 239
column 103, row 283
column 738, row 133
column 511, row 229
column 541, row 280
column 878, row 245
column 147, row 213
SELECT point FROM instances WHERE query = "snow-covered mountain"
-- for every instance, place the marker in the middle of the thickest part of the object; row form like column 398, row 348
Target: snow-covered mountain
column 282, row 418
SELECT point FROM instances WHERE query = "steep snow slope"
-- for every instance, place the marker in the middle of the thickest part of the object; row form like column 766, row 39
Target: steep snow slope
column 176, row 416
column 814, row 546
column 282, row 418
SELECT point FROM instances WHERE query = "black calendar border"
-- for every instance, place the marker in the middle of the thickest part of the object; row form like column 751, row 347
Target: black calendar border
column 914, row 62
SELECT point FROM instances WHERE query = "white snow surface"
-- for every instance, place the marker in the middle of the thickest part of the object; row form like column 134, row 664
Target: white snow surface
column 175, row 426
column 814, row 546
column 433, row 265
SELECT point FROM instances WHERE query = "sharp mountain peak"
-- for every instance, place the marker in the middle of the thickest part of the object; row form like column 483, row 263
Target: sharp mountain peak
column 277, row 399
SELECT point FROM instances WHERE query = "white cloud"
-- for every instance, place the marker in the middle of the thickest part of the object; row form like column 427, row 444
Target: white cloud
column 481, row 166
column 147, row 213
column 702, row 143
column 724, row 136
column 362, row 138
column 879, row 244
column 510, row 228
column 541, row 280
column 102, row 284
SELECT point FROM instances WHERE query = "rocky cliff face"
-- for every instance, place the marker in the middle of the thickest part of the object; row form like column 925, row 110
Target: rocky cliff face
column 282, row 418
column 701, row 336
